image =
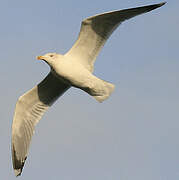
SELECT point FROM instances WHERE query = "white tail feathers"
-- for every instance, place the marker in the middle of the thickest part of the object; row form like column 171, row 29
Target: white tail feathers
column 105, row 91
column 98, row 88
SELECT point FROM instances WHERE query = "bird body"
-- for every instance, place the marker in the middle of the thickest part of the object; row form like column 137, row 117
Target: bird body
column 75, row 69
column 74, row 74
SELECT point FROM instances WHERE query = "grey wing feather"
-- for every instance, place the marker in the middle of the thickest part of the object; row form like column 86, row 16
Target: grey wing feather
column 97, row 29
column 29, row 109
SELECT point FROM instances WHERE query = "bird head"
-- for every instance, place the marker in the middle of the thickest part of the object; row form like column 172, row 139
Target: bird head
column 49, row 58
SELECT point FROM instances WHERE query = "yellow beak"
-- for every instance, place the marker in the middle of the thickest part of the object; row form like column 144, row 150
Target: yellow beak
column 40, row 57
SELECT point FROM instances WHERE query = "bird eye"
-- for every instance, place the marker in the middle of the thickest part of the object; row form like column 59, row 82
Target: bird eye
column 51, row 55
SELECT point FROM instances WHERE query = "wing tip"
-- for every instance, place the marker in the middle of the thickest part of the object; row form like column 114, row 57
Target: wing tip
column 18, row 169
column 17, row 164
column 162, row 3
column 17, row 172
column 154, row 6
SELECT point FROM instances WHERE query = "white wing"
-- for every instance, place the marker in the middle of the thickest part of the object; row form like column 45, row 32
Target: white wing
column 29, row 109
column 96, row 30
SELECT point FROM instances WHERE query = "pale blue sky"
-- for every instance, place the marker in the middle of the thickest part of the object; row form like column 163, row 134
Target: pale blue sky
column 131, row 136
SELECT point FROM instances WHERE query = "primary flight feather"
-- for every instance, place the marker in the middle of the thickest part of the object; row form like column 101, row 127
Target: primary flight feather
column 72, row 69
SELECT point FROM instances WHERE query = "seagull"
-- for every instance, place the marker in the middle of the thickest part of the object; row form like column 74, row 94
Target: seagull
column 73, row 69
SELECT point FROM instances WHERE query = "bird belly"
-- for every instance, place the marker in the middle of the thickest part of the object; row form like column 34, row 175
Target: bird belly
column 73, row 73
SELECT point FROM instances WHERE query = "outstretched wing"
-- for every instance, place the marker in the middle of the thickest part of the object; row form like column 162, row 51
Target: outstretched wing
column 96, row 30
column 29, row 109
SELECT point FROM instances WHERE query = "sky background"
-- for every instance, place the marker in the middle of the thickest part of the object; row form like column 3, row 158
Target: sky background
column 131, row 136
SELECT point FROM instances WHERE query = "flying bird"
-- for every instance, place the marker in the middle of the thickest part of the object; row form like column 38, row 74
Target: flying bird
column 73, row 69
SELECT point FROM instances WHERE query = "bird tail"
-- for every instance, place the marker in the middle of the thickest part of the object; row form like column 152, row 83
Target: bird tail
column 104, row 91
column 97, row 88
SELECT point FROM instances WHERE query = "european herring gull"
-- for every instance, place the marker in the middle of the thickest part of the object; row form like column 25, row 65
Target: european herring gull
column 75, row 69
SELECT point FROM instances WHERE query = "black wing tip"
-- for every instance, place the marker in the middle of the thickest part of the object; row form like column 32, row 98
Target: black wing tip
column 17, row 164
column 18, row 169
column 152, row 6
column 161, row 4
column 155, row 6
column 17, row 172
